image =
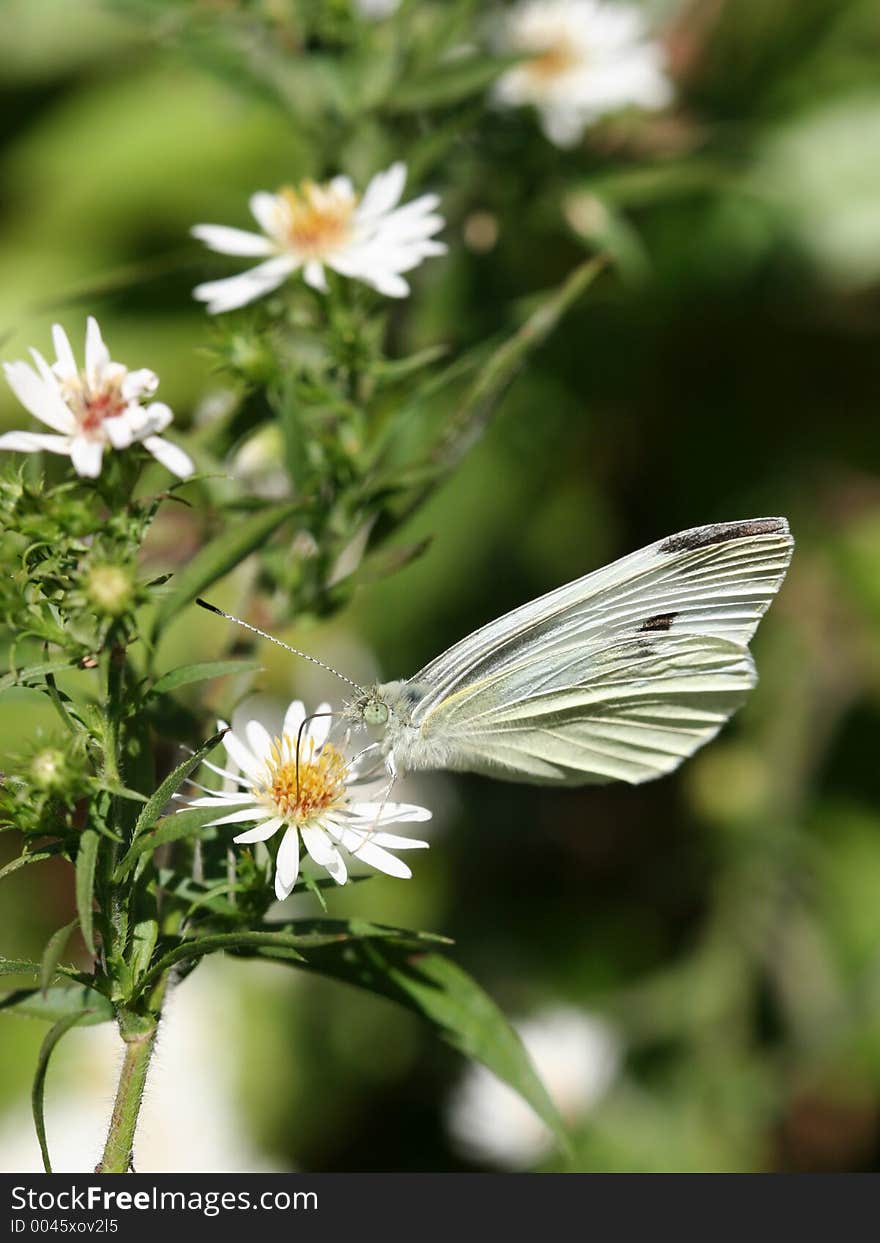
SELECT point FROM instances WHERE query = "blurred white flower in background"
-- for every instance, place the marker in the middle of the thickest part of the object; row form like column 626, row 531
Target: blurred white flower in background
column 259, row 464
column 585, row 58
column 375, row 10
column 576, row 1054
column 313, row 226
column 92, row 410
column 191, row 1122
column 310, row 798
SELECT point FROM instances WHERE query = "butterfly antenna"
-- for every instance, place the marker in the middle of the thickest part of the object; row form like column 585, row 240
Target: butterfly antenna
column 299, row 733
column 212, row 608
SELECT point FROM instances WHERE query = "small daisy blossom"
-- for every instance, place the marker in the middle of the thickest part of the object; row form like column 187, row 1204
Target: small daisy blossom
column 585, row 58
column 318, row 809
column 313, row 227
column 376, row 10
column 92, row 410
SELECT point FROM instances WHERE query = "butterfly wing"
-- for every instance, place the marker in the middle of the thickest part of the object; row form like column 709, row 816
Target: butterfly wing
column 619, row 675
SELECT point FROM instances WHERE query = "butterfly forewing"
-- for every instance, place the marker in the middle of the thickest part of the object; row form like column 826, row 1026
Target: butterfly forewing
column 617, row 676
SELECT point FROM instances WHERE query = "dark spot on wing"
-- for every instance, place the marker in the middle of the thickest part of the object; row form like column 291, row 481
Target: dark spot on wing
column 660, row 621
column 721, row 532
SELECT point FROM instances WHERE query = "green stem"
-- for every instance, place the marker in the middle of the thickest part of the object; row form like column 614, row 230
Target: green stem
column 139, row 1034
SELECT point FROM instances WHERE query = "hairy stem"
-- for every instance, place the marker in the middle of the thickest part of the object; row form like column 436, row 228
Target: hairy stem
column 138, row 1031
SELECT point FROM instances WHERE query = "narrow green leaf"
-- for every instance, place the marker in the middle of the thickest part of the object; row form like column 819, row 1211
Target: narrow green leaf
column 58, row 1002
column 459, row 78
column 37, row 1092
column 86, row 858
column 51, row 954
column 172, row 828
column 440, row 991
column 220, row 556
column 36, row 856
column 202, row 672
column 143, row 941
column 152, row 810
column 474, row 414
column 20, row 677
column 189, row 951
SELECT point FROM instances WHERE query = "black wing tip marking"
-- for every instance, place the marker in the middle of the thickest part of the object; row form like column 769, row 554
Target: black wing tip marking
column 660, row 621
column 722, row 532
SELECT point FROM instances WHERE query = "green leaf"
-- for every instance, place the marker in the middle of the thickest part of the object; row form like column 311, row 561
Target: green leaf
column 36, row 856
column 184, row 675
column 459, row 78
column 51, row 954
column 37, row 1092
column 172, row 828
column 152, row 811
column 143, row 941
column 19, row 677
column 437, row 989
column 86, row 858
column 58, row 1003
column 471, row 418
column 220, row 556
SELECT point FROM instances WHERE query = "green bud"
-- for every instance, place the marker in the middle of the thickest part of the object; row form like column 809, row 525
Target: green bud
column 49, row 769
column 110, row 589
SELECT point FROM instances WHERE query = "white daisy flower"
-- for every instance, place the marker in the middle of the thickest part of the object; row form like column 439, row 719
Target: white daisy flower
column 315, row 807
column 315, row 226
column 578, row 1057
column 585, row 58
column 92, row 410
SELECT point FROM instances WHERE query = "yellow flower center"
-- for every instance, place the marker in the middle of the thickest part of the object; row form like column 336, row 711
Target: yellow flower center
column 315, row 219
column 554, row 61
column 321, row 784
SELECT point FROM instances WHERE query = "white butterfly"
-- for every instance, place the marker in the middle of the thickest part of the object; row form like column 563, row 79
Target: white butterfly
column 617, row 676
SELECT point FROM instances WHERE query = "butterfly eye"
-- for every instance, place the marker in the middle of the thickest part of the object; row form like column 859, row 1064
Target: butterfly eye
column 376, row 713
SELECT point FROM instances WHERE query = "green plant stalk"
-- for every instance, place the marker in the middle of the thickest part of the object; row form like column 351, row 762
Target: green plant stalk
column 138, row 1030
column 140, row 1039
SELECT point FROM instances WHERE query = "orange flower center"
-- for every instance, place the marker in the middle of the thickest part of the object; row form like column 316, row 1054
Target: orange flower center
column 321, row 784
column 553, row 61
column 315, row 219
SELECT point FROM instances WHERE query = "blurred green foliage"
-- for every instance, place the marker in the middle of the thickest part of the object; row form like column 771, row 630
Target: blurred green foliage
column 726, row 918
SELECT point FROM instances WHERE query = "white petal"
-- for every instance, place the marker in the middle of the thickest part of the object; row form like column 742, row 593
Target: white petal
column 391, row 813
column 225, row 772
column 240, row 755
column 65, row 366
column 240, row 817
column 261, row 833
column 97, row 354
column 152, row 418
column 265, row 210
column 33, row 442
column 118, row 431
column 220, row 800
column 318, row 844
column 383, row 193
column 287, row 864
column 259, row 740
column 140, row 383
column 390, row 285
column 172, row 457
column 352, row 838
column 313, row 274
column 293, row 718
column 342, row 185
column 319, row 727
column 324, row 853
column 86, row 456
column 237, row 291
column 39, row 397
column 228, row 241
column 375, row 857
